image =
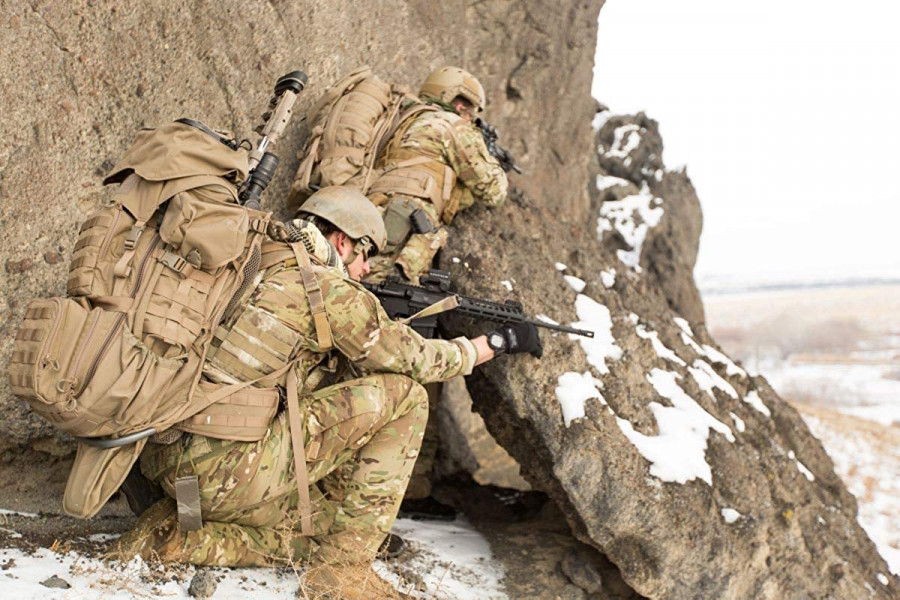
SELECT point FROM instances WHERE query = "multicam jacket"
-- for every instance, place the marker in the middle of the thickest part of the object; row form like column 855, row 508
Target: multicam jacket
column 472, row 174
column 276, row 325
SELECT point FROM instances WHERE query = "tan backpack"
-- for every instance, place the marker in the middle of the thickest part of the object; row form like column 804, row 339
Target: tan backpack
column 349, row 125
column 153, row 272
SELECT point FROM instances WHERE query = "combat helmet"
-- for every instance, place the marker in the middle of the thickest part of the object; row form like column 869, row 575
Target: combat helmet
column 347, row 209
column 447, row 83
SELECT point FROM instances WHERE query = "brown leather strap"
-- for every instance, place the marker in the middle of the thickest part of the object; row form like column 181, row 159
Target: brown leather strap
column 303, row 501
column 314, row 295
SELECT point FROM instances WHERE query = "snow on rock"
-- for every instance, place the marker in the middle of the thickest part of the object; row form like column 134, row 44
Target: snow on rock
column 608, row 278
column 600, row 120
column 752, row 398
column 661, row 349
column 453, row 560
column 687, row 335
column 574, row 390
column 707, row 378
column 717, row 357
column 678, row 452
column 607, row 181
column 626, row 139
column 621, row 216
column 882, row 579
column 546, row 319
column 738, row 423
column 507, row 284
column 801, row 467
column 730, row 515
column 575, row 283
column 560, row 267
column 595, row 317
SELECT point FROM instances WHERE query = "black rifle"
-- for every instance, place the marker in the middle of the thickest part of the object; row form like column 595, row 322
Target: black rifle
column 490, row 135
column 402, row 300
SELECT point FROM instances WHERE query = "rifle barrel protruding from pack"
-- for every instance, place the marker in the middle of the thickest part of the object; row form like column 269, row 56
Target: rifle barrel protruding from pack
column 263, row 163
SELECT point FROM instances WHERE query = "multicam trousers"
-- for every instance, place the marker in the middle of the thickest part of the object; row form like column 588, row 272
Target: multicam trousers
column 362, row 438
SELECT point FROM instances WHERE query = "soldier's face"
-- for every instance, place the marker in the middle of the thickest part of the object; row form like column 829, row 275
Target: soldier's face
column 346, row 247
column 359, row 268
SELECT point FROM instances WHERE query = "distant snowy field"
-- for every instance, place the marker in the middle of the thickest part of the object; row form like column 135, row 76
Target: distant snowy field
column 833, row 351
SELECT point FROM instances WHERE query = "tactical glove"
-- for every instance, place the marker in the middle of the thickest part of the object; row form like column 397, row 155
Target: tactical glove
column 518, row 338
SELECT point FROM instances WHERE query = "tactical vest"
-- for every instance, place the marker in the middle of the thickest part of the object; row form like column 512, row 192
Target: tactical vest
column 417, row 173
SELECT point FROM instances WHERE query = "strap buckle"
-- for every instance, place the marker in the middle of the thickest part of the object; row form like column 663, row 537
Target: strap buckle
column 173, row 261
column 133, row 235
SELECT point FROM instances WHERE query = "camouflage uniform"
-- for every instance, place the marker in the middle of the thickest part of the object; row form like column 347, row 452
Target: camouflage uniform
column 361, row 438
column 449, row 141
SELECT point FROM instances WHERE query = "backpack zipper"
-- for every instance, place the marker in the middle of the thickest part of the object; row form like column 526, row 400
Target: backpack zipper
column 114, row 329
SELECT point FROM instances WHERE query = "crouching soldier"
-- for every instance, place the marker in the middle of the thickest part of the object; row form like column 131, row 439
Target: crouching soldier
column 434, row 165
column 324, row 483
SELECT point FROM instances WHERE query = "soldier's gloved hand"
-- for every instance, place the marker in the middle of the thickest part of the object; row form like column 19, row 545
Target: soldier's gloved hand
column 516, row 339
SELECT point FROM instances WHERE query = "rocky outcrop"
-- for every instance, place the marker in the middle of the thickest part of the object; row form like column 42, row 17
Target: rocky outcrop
column 689, row 474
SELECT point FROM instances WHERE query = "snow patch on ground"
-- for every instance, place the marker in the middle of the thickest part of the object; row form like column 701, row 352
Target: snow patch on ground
column 678, row 452
column 17, row 513
column 632, row 217
column 92, row 578
column 453, row 559
column 574, row 390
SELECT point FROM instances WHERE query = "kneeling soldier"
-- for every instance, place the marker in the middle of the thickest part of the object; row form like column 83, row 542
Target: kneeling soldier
column 325, row 482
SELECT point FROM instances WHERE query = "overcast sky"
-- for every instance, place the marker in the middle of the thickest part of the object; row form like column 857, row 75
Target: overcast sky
column 787, row 115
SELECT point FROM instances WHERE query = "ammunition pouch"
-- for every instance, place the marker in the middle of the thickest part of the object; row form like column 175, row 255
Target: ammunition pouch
column 402, row 218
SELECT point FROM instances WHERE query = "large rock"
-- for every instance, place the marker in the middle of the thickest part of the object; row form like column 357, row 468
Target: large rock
column 693, row 477
column 79, row 78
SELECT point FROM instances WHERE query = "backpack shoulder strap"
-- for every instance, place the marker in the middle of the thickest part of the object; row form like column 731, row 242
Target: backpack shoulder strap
column 316, row 300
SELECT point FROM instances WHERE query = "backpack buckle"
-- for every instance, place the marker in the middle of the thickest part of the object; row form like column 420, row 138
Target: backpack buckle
column 131, row 238
column 173, row 261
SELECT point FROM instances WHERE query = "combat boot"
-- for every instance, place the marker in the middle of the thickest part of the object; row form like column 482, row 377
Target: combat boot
column 154, row 537
column 344, row 582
